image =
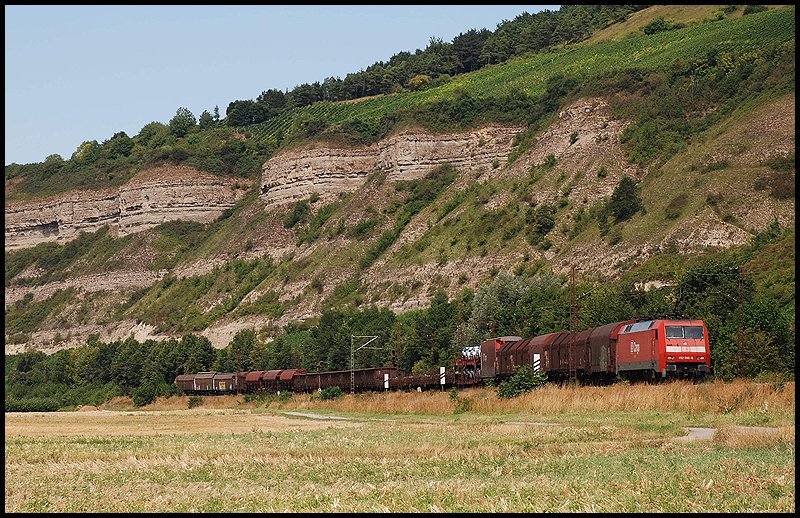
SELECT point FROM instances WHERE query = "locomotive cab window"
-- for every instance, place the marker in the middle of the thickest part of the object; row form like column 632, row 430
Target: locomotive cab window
column 685, row 332
column 693, row 332
column 674, row 331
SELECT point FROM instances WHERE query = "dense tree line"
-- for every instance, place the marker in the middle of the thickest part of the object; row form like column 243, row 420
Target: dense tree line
column 746, row 301
column 439, row 60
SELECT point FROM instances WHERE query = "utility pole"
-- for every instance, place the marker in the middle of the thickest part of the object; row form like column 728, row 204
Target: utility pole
column 740, row 320
column 573, row 316
column 397, row 352
column 238, row 370
column 353, row 358
column 459, row 346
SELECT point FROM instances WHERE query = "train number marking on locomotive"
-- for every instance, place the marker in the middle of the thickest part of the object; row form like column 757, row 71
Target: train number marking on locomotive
column 635, row 347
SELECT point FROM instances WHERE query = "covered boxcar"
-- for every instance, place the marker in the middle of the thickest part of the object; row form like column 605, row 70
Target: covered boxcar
column 556, row 353
column 270, row 380
column 587, row 353
column 489, row 355
column 603, row 348
column 204, row 382
column 254, row 381
column 511, row 355
column 226, row 382
column 364, row 379
column 286, row 378
column 535, row 351
column 185, row 383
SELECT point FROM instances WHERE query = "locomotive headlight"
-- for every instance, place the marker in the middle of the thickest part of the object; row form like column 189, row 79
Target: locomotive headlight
column 701, row 357
column 670, row 357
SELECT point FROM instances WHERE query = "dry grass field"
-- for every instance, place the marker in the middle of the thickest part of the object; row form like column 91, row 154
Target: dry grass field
column 573, row 449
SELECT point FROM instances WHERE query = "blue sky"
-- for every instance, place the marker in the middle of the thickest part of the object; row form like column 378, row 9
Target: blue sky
column 79, row 73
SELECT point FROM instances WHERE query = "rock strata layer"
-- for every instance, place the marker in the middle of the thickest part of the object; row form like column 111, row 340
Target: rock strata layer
column 296, row 174
column 149, row 199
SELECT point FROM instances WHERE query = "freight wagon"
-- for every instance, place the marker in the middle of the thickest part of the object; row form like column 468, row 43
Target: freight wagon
column 363, row 379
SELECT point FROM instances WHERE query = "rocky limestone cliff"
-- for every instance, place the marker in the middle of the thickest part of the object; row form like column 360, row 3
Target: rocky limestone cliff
column 149, row 199
column 295, row 174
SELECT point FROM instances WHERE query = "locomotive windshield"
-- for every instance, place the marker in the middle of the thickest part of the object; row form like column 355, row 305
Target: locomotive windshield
column 685, row 332
column 693, row 331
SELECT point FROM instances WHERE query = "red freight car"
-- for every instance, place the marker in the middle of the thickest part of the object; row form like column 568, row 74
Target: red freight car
column 665, row 347
column 489, row 355
column 286, row 378
column 254, row 381
column 271, row 381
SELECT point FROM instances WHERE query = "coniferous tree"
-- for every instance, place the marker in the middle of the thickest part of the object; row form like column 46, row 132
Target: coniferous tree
column 205, row 121
column 625, row 201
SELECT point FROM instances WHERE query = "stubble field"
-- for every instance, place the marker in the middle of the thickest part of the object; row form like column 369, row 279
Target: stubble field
column 574, row 449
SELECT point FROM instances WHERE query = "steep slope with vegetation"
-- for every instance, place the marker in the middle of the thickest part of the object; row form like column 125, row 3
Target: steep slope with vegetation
column 664, row 158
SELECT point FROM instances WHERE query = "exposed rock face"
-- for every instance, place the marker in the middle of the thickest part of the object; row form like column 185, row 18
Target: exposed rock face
column 296, row 174
column 60, row 219
column 149, row 199
column 109, row 281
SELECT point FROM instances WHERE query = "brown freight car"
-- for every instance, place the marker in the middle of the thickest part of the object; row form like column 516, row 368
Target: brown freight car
column 511, row 355
column 200, row 383
column 556, row 353
column 185, row 383
column 226, row 382
column 603, row 344
column 204, row 382
column 531, row 351
column 535, row 355
column 587, row 353
column 433, row 381
column 364, row 379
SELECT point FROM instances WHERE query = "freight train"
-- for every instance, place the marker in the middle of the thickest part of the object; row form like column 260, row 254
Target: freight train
column 635, row 350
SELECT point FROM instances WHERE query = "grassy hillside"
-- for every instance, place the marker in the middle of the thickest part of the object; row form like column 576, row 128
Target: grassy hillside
column 675, row 14
column 529, row 75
